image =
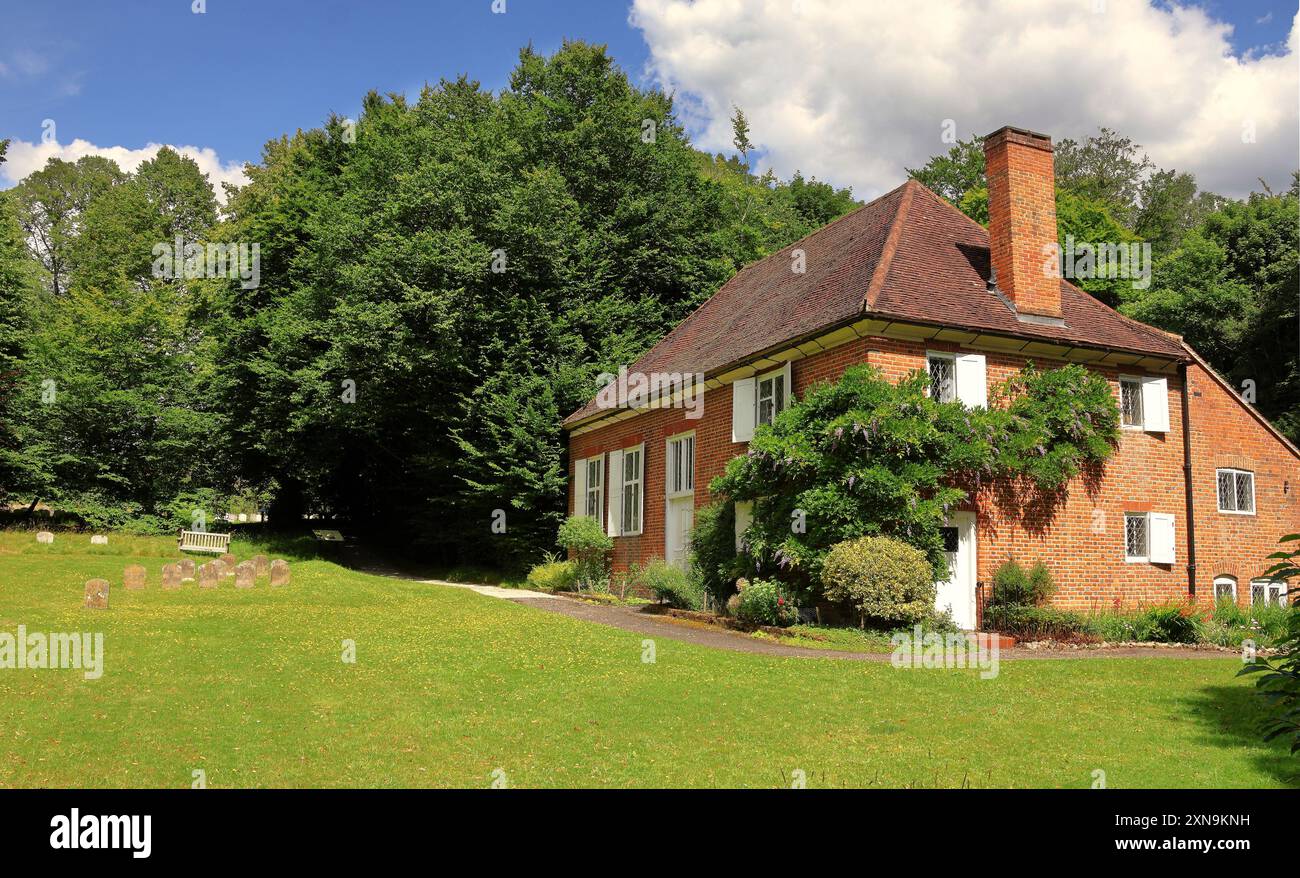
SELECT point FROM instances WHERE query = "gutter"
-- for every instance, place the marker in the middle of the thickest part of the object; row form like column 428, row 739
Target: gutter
column 1187, row 484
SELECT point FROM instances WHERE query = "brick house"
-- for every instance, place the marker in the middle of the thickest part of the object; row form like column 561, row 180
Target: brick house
column 1194, row 498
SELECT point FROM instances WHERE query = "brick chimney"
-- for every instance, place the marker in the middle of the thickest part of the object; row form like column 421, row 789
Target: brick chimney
column 1022, row 220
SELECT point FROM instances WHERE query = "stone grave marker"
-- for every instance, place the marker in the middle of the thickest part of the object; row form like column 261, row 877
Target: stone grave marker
column 279, row 572
column 171, row 576
column 186, row 566
column 209, row 574
column 245, row 573
column 99, row 540
column 133, row 577
column 45, row 537
column 263, row 565
column 97, row 594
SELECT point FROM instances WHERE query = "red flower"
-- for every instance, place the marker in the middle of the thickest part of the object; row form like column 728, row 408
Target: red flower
column 780, row 602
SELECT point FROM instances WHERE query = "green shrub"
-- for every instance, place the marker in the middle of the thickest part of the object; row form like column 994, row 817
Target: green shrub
column 765, row 602
column 1034, row 623
column 713, row 550
column 882, row 578
column 671, row 585
column 1014, row 586
column 554, row 576
column 587, row 542
column 1168, row 624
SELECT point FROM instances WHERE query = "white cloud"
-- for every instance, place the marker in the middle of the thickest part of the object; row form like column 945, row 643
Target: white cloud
column 23, row 158
column 854, row 92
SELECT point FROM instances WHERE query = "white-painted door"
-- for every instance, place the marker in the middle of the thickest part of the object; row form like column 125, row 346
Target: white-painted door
column 681, row 518
column 956, row 594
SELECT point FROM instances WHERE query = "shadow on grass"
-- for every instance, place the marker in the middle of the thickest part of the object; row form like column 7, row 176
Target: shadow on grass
column 1231, row 717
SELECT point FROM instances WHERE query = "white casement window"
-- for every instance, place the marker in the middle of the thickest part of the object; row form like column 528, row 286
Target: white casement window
column 1149, row 537
column 958, row 378
column 595, row 499
column 631, row 479
column 1236, row 491
column 744, row 518
column 1225, row 589
column 589, row 486
column 759, row 400
column 1144, row 403
column 680, row 463
column 1267, row 593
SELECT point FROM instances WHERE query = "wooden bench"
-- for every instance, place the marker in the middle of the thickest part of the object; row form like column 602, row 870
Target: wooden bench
column 202, row 541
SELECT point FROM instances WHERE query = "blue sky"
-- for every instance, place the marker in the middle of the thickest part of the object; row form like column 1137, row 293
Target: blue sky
column 126, row 74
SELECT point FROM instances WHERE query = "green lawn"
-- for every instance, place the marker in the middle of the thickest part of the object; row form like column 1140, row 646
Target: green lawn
column 449, row 686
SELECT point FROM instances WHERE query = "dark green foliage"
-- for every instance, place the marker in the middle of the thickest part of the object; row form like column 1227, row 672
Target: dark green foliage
column 713, row 550
column 1034, row 623
column 1015, row 586
column 867, row 457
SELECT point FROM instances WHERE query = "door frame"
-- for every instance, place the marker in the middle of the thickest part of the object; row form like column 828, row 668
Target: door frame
column 968, row 539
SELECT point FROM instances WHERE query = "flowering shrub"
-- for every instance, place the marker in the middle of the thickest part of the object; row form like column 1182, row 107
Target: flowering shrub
column 764, row 602
column 866, row 457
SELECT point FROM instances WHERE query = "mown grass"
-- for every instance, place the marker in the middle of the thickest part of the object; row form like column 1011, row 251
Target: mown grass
column 449, row 686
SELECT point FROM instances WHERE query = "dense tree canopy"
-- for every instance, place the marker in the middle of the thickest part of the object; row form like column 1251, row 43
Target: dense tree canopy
column 440, row 281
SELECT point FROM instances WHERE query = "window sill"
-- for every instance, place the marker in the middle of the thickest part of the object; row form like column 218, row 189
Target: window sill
column 1236, row 512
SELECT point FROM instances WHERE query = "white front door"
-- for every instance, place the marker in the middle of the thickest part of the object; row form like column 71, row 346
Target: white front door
column 681, row 518
column 679, row 511
column 956, row 594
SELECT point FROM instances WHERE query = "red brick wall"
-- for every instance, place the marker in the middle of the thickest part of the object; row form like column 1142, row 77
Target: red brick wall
column 1082, row 538
column 1224, row 435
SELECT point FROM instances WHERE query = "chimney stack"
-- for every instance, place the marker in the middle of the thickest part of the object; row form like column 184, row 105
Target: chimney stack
column 1022, row 220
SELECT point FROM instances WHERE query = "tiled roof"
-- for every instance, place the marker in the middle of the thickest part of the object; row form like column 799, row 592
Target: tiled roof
column 908, row 255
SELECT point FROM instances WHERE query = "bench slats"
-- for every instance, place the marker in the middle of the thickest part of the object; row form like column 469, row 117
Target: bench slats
column 202, row 541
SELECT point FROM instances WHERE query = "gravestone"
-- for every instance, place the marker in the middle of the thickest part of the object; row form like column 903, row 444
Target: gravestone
column 263, row 565
column 186, row 566
column 279, row 572
column 97, row 594
column 99, row 540
column 245, row 573
column 133, row 577
column 229, row 560
column 171, row 576
column 209, row 573
column 45, row 537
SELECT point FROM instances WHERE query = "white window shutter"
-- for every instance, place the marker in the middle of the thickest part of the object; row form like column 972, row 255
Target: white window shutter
column 742, row 410
column 972, row 381
column 600, row 495
column 1160, row 533
column 640, row 495
column 1155, row 405
column 789, row 384
column 744, row 517
column 615, row 480
column 580, row 488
